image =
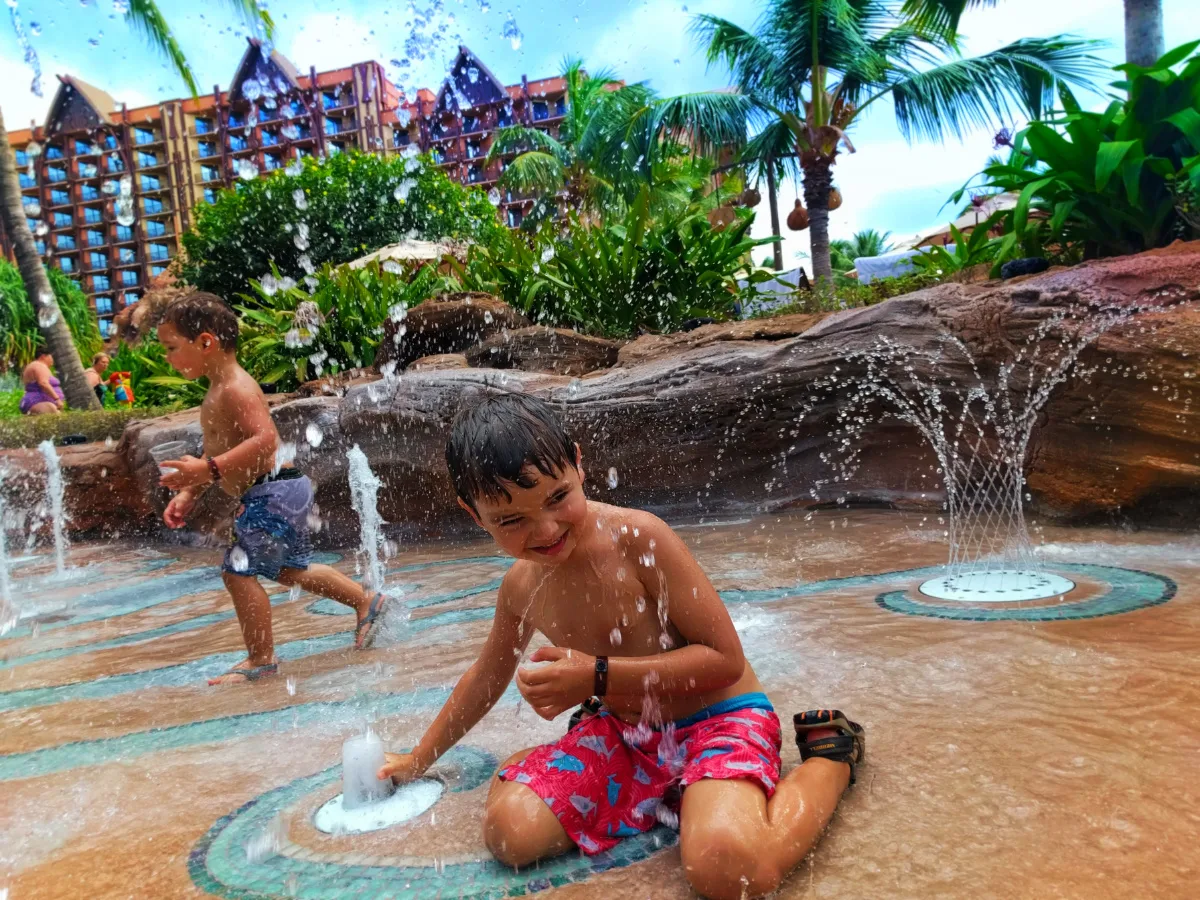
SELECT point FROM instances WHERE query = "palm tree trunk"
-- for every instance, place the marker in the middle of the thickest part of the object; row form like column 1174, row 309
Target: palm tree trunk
column 817, row 181
column 37, row 285
column 1143, row 32
column 773, row 201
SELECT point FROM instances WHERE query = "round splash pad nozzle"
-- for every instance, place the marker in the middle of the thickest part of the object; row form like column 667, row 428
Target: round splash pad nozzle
column 368, row 803
column 998, row 586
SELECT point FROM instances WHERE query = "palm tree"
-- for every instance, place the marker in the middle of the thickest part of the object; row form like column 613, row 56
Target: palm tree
column 1143, row 23
column 145, row 18
column 864, row 243
column 615, row 138
column 816, row 65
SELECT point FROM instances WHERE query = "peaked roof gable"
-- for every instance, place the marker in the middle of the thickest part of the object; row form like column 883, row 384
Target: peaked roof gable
column 259, row 74
column 78, row 106
column 470, row 79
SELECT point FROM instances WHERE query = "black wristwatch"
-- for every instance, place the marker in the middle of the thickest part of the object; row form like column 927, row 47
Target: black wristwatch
column 600, row 685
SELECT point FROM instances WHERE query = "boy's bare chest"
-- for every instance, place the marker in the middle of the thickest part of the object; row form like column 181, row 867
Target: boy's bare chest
column 609, row 616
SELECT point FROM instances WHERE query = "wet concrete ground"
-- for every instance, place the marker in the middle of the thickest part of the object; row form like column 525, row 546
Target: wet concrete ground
column 1041, row 750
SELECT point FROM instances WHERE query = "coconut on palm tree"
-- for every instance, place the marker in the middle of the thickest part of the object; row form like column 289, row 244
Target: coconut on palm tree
column 144, row 17
column 616, row 138
column 813, row 67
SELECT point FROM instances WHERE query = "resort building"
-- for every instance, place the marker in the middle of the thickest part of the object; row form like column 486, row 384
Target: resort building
column 108, row 189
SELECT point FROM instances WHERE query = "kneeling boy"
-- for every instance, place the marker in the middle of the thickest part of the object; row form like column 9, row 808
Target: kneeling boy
column 674, row 725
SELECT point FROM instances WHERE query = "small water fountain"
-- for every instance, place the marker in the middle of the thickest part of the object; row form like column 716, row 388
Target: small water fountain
column 364, row 490
column 8, row 611
column 54, row 496
column 368, row 803
column 979, row 430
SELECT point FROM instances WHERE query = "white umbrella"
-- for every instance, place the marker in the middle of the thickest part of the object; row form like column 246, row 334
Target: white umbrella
column 410, row 251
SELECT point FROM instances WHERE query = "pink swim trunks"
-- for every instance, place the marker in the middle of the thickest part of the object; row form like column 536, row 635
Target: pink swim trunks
column 607, row 780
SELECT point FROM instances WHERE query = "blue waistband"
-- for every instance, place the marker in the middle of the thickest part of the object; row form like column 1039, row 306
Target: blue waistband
column 754, row 700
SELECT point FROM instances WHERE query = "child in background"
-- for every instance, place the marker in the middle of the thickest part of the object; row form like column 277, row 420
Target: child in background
column 674, row 725
column 200, row 334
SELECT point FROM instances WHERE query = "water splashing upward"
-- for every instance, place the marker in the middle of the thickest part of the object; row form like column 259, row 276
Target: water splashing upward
column 8, row 612
column 54, row 495
column 979, row 430
column 364, row 487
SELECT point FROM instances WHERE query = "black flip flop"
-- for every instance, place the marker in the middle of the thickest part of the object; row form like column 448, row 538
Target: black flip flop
column 371, row 622
column 254, row 672
column 849, row 745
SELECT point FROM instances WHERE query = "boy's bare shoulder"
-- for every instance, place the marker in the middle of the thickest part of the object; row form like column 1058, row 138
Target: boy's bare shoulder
column 636, row 527
column 517, row 582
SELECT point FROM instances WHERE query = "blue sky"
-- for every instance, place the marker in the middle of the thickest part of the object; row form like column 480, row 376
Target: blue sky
column 887, row 184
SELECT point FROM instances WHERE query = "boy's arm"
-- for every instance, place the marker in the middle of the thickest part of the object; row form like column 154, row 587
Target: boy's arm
column 712, row 659
column 244, row 462
column 476, row 692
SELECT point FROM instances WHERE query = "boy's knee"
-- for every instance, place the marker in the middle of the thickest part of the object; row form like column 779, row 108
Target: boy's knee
column 288, row 577
column 722, row 861
column 509, row 829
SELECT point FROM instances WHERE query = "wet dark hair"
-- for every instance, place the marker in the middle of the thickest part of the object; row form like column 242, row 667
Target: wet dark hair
column 199, row 312
column 494, row 439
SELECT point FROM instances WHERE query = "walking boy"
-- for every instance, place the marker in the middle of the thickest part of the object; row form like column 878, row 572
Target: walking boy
column 642, row 640
column 200, row 334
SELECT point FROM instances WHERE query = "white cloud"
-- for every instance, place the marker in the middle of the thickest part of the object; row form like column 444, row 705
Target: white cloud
column 21, row 105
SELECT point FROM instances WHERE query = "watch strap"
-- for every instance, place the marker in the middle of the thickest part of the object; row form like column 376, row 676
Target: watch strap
column 600, row 685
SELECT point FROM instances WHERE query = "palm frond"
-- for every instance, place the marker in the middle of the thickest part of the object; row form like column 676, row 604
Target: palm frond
column 256, row 16
column 704, row 121
column 988, row 91
column 751, row 61
column 520, row 139
column 146, row 19
column 535, row 172
column 939, row 16
column 776, row 143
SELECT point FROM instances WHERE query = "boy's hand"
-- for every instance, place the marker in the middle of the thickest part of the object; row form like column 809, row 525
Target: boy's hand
column 555, row 688
column 401, row 768
column 179, row 509
column 189, row 472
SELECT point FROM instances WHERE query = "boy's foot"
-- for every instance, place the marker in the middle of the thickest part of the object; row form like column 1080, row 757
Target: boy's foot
column 245, row 671
column 827, row 733
column 368, row 626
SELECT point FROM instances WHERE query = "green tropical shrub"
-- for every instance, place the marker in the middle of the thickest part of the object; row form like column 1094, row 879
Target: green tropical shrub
column 19, row 334
column 976, row 249
column 289, row 335
column 331, row 211
column 1107, row 183
column 155, row 383
column 615, row 278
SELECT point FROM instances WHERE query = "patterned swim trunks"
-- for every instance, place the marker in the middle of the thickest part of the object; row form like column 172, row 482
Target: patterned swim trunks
column 271, row 532
column 606, row 780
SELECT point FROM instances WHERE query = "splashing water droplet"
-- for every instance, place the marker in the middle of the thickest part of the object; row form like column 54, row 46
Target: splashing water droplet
column 494, row 197
column 512, row 32
column 612, row 478
column 313, row 435
column 300, row 199
column 300, row 239
column 247, row 170
column 291, row 686
column 294, row 168
column 548, row 254
column 487, row 316
column 472, row 74
column 614, row 637
column 403, row 189
column 238, row 560
column 47, row 316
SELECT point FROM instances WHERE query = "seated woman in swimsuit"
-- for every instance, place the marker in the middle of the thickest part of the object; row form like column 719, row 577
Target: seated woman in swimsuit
column 43, row 395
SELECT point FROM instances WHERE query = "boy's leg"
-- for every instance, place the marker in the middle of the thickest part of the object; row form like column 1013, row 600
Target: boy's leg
column 326, row 581
column 736, row 844
column 254, row 616
column 518, row 827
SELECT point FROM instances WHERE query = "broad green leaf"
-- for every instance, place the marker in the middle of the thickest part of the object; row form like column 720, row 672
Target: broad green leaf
column 1109, row 157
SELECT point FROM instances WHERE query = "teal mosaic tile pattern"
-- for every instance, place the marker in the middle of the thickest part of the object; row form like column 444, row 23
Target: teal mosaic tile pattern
column 337, row 715
column 1128, row 590
column 218, row 862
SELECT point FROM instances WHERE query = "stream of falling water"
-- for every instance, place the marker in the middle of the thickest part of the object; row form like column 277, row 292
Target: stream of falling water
column 364, row 489
column 54, row 496
column 29, row 54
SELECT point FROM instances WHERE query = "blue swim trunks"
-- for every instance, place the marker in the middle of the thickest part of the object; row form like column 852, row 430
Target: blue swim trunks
column 271, row 532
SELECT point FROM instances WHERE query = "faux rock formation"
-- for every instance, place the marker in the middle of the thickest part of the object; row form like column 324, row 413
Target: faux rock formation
column 559, row 351
column 451, row 324
column 708, row 422
column 441, row 361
